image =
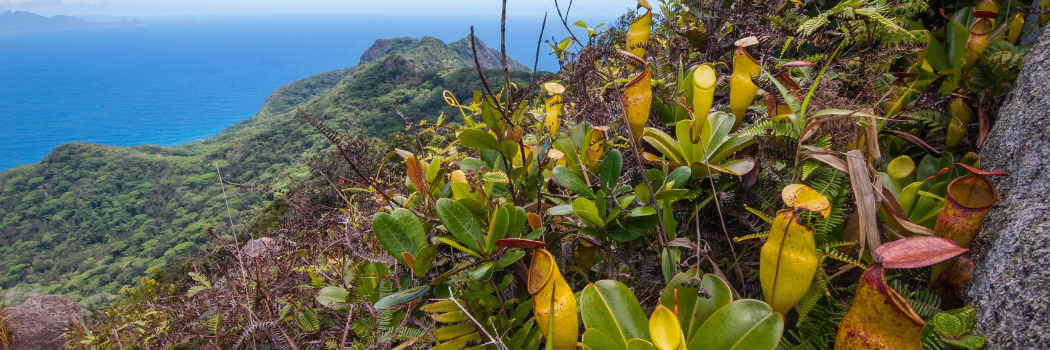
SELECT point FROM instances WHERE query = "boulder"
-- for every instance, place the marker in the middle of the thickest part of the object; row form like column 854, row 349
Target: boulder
column 40, row 322
column 1011, row 279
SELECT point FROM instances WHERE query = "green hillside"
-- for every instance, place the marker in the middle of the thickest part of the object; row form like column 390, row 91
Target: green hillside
column 91, row 218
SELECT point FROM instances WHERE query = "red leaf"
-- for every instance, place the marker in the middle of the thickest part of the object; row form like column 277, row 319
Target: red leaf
column 520, row 243
column 985, row 14
column 939, row 173
column 799, row 64
column 916, row 141
column 982, row 172
column 913, row 252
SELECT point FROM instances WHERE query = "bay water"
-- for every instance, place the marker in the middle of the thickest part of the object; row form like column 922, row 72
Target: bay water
column 175, row 81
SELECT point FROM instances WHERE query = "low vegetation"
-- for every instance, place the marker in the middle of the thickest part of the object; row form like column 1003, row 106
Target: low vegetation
column 90, row 219
column 698, row 175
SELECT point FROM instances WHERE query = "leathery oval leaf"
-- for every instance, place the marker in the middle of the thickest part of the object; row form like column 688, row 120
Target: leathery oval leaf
column 612, row 308
column 665, row 330
column 573, row 182
column 692, row 309
column 743, row 324
column 800, row 196
column 595, row 339
column 475, row 138
column 393, row 235
column 460, row 222
column 424, row 260
column 413, row 228
column 588, row 212
column 611, row 168
column 639, row 344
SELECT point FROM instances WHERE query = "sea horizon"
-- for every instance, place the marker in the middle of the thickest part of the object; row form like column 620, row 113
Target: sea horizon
column 171, row 83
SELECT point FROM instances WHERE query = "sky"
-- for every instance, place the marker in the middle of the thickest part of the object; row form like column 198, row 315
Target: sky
column 213, row 7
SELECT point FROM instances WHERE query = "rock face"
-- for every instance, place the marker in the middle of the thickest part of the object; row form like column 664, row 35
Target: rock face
column 39, row 323
column 1011, row 282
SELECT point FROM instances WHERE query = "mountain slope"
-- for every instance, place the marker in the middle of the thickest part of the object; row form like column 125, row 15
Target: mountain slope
column 90, row 218
column 431, row 52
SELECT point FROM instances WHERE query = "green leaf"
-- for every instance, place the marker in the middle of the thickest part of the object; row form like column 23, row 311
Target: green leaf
column 201, row 279
column 460, row 223
column 948, row 325
column 595, row 339
column 680, row 176
column 610, row 307
column 479, row 139
column 424, row 260
column 509, row 258
column 508, row 148
column 401, row 297
column 471, row 163
column 482, row 273
column 743, row 324
column 640, row 344
column 564, row 209
column 307, row 320
column 611, row 168
column 643, row 194
column 969, row 341
column 393, row 235
column 196, row 289
column 490, row 114
column 957, row 35
column 671, row 194
column 497, row 227
column 332, row 296
column 642, row 211
column 694, row 310
column 587, row 212
column 570, row 180
column 518, row 220
column 496, row 176
column 967, row 315
column 413, row 227
column 459, row 247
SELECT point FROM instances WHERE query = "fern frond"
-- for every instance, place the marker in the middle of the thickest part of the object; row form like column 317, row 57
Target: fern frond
column 768, row 127
column 837, row 255
column 759, row 214
column 751, row 236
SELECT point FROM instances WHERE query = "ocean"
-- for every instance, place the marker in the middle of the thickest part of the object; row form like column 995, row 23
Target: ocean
column 171, row 83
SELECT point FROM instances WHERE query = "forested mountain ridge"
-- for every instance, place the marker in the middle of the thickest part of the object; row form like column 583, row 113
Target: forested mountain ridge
column 431, row 52
column 91, row 218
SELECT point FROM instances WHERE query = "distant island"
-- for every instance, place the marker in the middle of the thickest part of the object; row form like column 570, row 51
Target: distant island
column 18, row 21
column 189, row 21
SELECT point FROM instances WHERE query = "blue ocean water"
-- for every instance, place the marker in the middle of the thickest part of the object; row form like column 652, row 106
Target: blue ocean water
column 171, row 83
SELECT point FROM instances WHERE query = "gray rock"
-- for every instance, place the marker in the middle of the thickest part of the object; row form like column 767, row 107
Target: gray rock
column 264, row 247
column 40, row 322
column 1011, row 282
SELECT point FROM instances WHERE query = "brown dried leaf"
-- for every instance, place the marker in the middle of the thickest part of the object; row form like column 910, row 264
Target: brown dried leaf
column 864, row 193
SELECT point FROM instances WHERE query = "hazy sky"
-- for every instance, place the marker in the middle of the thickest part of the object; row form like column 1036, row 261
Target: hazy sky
column 189, row 7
